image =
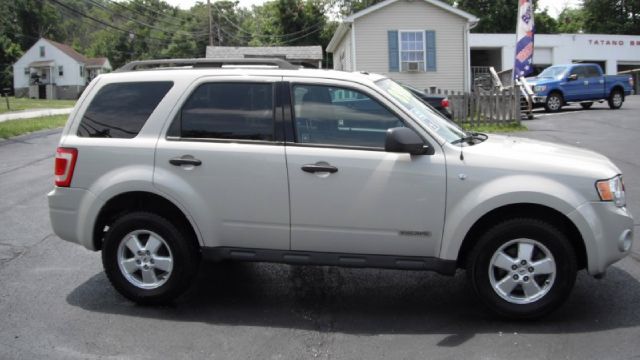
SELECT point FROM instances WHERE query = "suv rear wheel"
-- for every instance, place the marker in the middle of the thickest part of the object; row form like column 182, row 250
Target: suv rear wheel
column 148, row 259
column 522, row 268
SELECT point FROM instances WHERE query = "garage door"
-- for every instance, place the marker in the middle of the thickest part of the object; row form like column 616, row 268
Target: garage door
column 543, row 56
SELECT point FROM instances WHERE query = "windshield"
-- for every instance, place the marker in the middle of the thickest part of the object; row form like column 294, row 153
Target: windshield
column 554, row 72
column 422, row 112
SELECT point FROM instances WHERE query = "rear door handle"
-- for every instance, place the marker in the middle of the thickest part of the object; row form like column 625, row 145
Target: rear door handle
column 179, row 161
column 313, row 168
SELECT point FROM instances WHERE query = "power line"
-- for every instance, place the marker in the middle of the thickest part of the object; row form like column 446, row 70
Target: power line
column 95, row 3
column 319, row 24
column 149, row 8
column 104, row 23
column 140, row 22
column 117, row 3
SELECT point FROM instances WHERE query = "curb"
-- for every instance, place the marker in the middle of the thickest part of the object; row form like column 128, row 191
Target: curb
column 28, row 114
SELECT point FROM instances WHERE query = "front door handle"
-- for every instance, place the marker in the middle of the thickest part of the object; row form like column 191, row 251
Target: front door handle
column 314, row 168
column 179, row 161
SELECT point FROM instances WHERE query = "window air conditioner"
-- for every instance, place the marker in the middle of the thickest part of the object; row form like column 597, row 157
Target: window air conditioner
column 413, row 66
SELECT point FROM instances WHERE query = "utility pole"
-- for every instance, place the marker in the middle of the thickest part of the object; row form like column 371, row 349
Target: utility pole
column 210, row 24
column 218, row 27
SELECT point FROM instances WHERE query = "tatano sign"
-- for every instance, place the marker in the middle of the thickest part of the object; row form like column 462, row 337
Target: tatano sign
column 614, row 42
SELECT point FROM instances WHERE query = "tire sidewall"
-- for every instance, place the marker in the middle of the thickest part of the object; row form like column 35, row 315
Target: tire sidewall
column 560, row 99
column 547, row 235
column 184, row 258
column 611, row 103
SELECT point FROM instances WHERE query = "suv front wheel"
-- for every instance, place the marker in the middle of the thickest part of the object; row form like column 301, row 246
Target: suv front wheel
column 148, row 259
column 522, row 268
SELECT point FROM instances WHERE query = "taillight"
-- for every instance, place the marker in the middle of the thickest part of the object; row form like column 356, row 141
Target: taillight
column 631, row 81
column 65, row 163
column 445, row 103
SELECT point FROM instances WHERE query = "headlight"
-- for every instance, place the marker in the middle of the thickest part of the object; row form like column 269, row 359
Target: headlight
column 612, row 190
column 539, row 88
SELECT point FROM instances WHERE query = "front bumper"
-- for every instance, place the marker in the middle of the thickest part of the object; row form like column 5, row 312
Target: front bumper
column 539, row 99
column 607, row 232
column 72, row 214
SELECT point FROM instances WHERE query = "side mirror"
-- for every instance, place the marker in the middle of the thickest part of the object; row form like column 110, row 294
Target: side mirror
column 404, row 140
column 573, row 77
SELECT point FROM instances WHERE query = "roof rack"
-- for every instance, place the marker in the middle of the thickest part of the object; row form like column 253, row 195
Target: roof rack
column 205, row 63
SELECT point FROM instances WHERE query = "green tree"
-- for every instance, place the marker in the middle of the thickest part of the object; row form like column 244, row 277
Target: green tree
column 545, row 24
column 571, row 21
column 612, row 16
column 301, row 22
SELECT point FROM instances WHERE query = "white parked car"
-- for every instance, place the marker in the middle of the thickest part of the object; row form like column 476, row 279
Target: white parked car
column 160, row 167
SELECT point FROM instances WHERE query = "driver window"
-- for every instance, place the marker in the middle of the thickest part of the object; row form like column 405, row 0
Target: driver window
column 579, row 71
column 339, row 116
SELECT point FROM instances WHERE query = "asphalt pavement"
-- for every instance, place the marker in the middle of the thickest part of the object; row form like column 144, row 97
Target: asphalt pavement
column 56, row 303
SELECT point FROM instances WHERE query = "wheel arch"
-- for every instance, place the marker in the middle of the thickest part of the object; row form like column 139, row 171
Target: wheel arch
column 557, row 91
column 140, row 201
column 530, row 210
column 617, row 87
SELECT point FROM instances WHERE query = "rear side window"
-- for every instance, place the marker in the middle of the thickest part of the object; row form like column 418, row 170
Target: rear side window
column 121, row 110
column 238, row 111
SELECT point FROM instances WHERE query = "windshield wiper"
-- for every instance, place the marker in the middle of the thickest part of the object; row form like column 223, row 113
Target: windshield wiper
column 471, row 137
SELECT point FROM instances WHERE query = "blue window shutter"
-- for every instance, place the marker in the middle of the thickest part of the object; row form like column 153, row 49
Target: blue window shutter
column 394, row 65
column 431, row 50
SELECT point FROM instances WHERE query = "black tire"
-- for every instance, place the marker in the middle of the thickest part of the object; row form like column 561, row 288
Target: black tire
column 616, row 98
column 182, row 249
column 554, row 102
column 479, row 269
column 586, row 105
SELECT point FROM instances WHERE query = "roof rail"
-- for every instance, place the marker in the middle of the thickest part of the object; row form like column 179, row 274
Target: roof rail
column 205, row 63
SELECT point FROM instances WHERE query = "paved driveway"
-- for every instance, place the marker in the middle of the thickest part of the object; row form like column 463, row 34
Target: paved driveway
column 55, row 301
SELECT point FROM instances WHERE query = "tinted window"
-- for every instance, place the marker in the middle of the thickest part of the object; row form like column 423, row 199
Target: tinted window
column 338, row 116
column 592, row 71
column 240, row 111
column 120, row 110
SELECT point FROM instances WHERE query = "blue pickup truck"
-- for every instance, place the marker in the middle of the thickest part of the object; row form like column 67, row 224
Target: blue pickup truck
column 559, row 85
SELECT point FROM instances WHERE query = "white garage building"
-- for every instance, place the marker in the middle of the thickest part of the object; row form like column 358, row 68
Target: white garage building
column 614, row 53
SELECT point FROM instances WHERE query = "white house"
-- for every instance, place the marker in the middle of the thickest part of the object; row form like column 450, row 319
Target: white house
column 50, row 70
column 423, row 43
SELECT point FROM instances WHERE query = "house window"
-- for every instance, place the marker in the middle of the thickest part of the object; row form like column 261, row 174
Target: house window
column 27, row 71
column 81, row 71
column 412, row 52
column 41, row 51
column 60, row 71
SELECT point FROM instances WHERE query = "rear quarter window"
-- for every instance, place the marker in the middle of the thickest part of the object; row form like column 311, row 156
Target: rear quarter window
column 120, row 110
column 229, row 111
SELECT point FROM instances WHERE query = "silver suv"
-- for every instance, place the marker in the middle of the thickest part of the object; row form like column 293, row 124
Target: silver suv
column 160, row 167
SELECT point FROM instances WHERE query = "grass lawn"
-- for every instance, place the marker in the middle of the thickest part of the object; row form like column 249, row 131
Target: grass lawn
column 12, row 128
column 17, row 104
column 505, row 128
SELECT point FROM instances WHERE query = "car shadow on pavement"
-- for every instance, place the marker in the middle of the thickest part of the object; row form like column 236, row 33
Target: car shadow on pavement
column 575, row 108
column 365, row 302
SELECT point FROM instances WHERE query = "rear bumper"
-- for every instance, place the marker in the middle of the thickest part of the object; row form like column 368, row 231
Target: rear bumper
column 607, row 231
column 71, row 214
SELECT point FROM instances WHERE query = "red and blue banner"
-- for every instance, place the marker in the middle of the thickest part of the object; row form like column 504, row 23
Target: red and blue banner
column 525, row 29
